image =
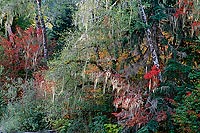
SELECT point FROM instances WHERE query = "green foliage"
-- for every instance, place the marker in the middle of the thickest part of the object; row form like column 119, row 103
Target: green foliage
column 1, row 70
column 195, row 76
column 33, row 118
column 152, row 126
column 79, row 126
column 15, row 8
column 10, row 120
column 2, row 56
column 25, row 113
column 112, row 128
column 59, row 20
column 59, row 15
column 97, row 125
column 2, row 103
column 22, row 22
column 176, row 71
column 61, row 125
column 187, row 113
column 101, row 37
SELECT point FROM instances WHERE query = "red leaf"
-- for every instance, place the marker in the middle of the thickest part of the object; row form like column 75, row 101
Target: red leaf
column 148, row 75
column 188, row 93
column 195, row 24
column 162, row 115
column 25, row 44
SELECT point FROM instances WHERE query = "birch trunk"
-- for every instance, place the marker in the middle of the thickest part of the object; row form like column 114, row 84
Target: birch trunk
column 40, row 20
column 38, row 25
column 149, row 39
column 8, row 30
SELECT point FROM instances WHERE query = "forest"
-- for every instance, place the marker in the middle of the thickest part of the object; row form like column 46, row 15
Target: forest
column 100, row 66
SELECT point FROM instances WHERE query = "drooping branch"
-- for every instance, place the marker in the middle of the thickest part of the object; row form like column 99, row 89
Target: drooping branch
column 149, row 39
column 90, row 61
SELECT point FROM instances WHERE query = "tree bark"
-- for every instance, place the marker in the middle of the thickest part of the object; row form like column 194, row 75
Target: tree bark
column 40, row 23
column 149, row 39
column 8, row 30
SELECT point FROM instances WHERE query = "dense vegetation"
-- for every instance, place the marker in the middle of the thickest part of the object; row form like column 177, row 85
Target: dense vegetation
column 100, row 66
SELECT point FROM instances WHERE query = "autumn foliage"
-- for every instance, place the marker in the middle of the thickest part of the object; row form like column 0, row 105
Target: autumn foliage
column 22, row 52
column 152, row 76
column 186, row 8
column 135, row 106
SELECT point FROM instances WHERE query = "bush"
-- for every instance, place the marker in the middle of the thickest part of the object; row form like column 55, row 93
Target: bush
column 24, row 113
column 97, row 126
column 112, row 128
column 187, row 113
column 61, row 125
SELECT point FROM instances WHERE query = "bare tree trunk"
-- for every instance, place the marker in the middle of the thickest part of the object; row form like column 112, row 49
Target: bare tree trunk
column 40, row 23
column 8, row 30
column 149, row 39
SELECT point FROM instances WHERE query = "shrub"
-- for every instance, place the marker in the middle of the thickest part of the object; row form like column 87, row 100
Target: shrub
column 187, row 113
column 24, row 113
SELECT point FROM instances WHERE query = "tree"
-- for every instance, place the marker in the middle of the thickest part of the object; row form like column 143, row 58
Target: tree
column 148, row 35
column 41, row 23
column 108, row 71
column 112, row 51
column 11, row 9
column 60, row 19
column 22, row 56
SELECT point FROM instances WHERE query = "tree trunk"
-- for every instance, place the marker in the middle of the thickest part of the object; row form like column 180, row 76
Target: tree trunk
column 38, row 25
column 40, row 20
column 8, row 30
column 149, row 39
